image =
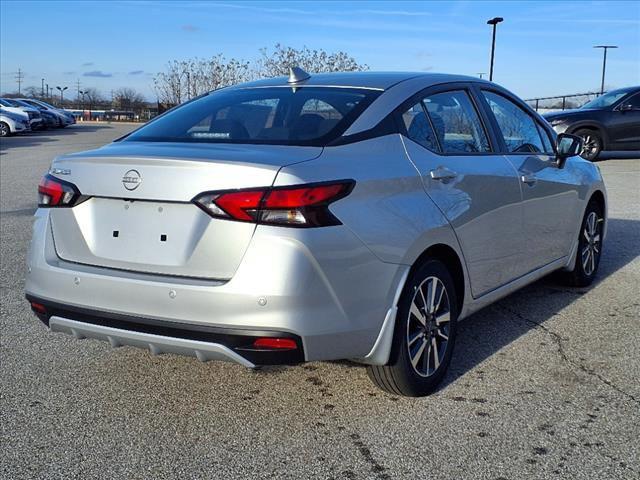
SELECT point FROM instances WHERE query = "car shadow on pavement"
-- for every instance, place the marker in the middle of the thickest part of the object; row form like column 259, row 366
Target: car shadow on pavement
column 487, row 332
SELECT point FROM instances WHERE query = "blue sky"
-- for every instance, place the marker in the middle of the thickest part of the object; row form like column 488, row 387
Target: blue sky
column 543, row 48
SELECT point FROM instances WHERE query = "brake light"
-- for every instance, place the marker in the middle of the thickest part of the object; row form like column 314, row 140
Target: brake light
column 53, row 192
column 296, row 206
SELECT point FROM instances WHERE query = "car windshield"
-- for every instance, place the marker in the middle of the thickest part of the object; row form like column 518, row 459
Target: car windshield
column 4, row 102
column 605, row 100
column 271, row 115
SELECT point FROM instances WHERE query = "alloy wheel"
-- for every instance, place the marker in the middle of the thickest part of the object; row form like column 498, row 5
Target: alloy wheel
column 428, row 326
column 591, row 146
column 591, row 249
column 4, row 130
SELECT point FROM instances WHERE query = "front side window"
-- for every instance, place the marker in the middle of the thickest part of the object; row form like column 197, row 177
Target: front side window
column 418, row 127
column 634, row 101
column 518, row 128
column 271, row 115
column 456, row 123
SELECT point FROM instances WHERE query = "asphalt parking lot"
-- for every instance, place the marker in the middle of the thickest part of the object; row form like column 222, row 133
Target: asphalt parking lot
column 543, row 384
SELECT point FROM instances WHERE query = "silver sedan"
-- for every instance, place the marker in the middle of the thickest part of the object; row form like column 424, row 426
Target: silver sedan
column 316, row 217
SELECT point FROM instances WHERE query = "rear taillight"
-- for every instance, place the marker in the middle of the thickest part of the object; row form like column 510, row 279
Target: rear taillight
column 295, row 206
column 53, row 192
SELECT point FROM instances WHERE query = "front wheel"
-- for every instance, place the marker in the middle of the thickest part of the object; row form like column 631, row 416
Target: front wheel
column 5, row 131
column 592, row 144
column 424, row 335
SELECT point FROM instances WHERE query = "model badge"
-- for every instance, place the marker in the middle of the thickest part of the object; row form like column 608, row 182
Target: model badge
column 131, row 180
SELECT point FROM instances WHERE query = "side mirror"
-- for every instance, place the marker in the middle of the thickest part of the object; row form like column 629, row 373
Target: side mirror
column 626, row 107
column 567, row 146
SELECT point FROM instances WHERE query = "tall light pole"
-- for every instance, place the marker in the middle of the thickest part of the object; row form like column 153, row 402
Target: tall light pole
column 62, row 89
column 494, row 21
column 604, row 62
column 42, row 90
column 82, row 92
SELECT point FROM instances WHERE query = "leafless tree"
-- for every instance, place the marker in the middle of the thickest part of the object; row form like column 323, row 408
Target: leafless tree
column 186, row 79
column 32, row 92
column 183, row 80
column 128, row 99
column 92, row 97
column 277, row 62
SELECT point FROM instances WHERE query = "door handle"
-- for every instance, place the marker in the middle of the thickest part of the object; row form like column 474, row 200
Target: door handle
column 529, row 178
column 442, row 173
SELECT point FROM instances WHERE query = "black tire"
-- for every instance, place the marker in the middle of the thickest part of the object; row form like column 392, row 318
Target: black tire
column 589, row 251
column 593, row 143
column 5, row 131
column 399, row 376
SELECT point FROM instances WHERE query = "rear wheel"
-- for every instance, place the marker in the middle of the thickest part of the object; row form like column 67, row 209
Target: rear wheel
column 5, row 131
column 592, row 144
column 589, row 247
column 424, row 335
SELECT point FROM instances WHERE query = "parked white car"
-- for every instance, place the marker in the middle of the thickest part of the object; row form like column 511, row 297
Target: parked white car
column 35, row 118
column 11, row 123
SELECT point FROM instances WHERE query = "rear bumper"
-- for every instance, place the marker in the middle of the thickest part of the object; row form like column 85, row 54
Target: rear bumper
column 321, row 286
column 203, row 342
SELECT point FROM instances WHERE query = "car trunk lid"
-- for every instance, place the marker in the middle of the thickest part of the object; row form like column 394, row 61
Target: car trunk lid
column 139, row 216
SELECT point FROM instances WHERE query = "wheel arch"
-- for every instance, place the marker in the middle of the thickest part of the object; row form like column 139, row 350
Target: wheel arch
column 601, row 198
column 452, row 261
column 591, row 125
column 379, row 354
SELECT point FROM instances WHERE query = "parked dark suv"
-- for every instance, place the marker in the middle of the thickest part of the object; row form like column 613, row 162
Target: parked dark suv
column 610, row 122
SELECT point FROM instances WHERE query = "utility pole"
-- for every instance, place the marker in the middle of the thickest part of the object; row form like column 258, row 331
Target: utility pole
column 494, row 21
column 480, row 74
column 604, row 62
column 19, row 77
column 42, row 90
column 78, row 89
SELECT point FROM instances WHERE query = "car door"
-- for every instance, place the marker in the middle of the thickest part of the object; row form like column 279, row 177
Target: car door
column 549, row 193
column 476, row 188
column 624, row 126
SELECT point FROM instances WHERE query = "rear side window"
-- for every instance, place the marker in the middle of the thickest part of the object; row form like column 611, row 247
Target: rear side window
column 456, row 123
column 271, row 115
column 518, row 128
column 418, row 127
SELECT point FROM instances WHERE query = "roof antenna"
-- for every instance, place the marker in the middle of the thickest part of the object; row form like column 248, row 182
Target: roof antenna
column 296, row 75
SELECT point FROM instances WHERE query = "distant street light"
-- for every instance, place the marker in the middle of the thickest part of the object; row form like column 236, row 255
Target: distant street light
column 83, row 92
column 62, row 89
column 494, row 21
column 604, row 62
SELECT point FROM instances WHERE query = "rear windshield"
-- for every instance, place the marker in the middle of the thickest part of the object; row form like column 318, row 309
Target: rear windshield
column 275, row 115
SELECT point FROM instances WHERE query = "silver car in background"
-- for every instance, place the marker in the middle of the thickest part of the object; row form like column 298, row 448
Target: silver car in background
column 336, row 216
